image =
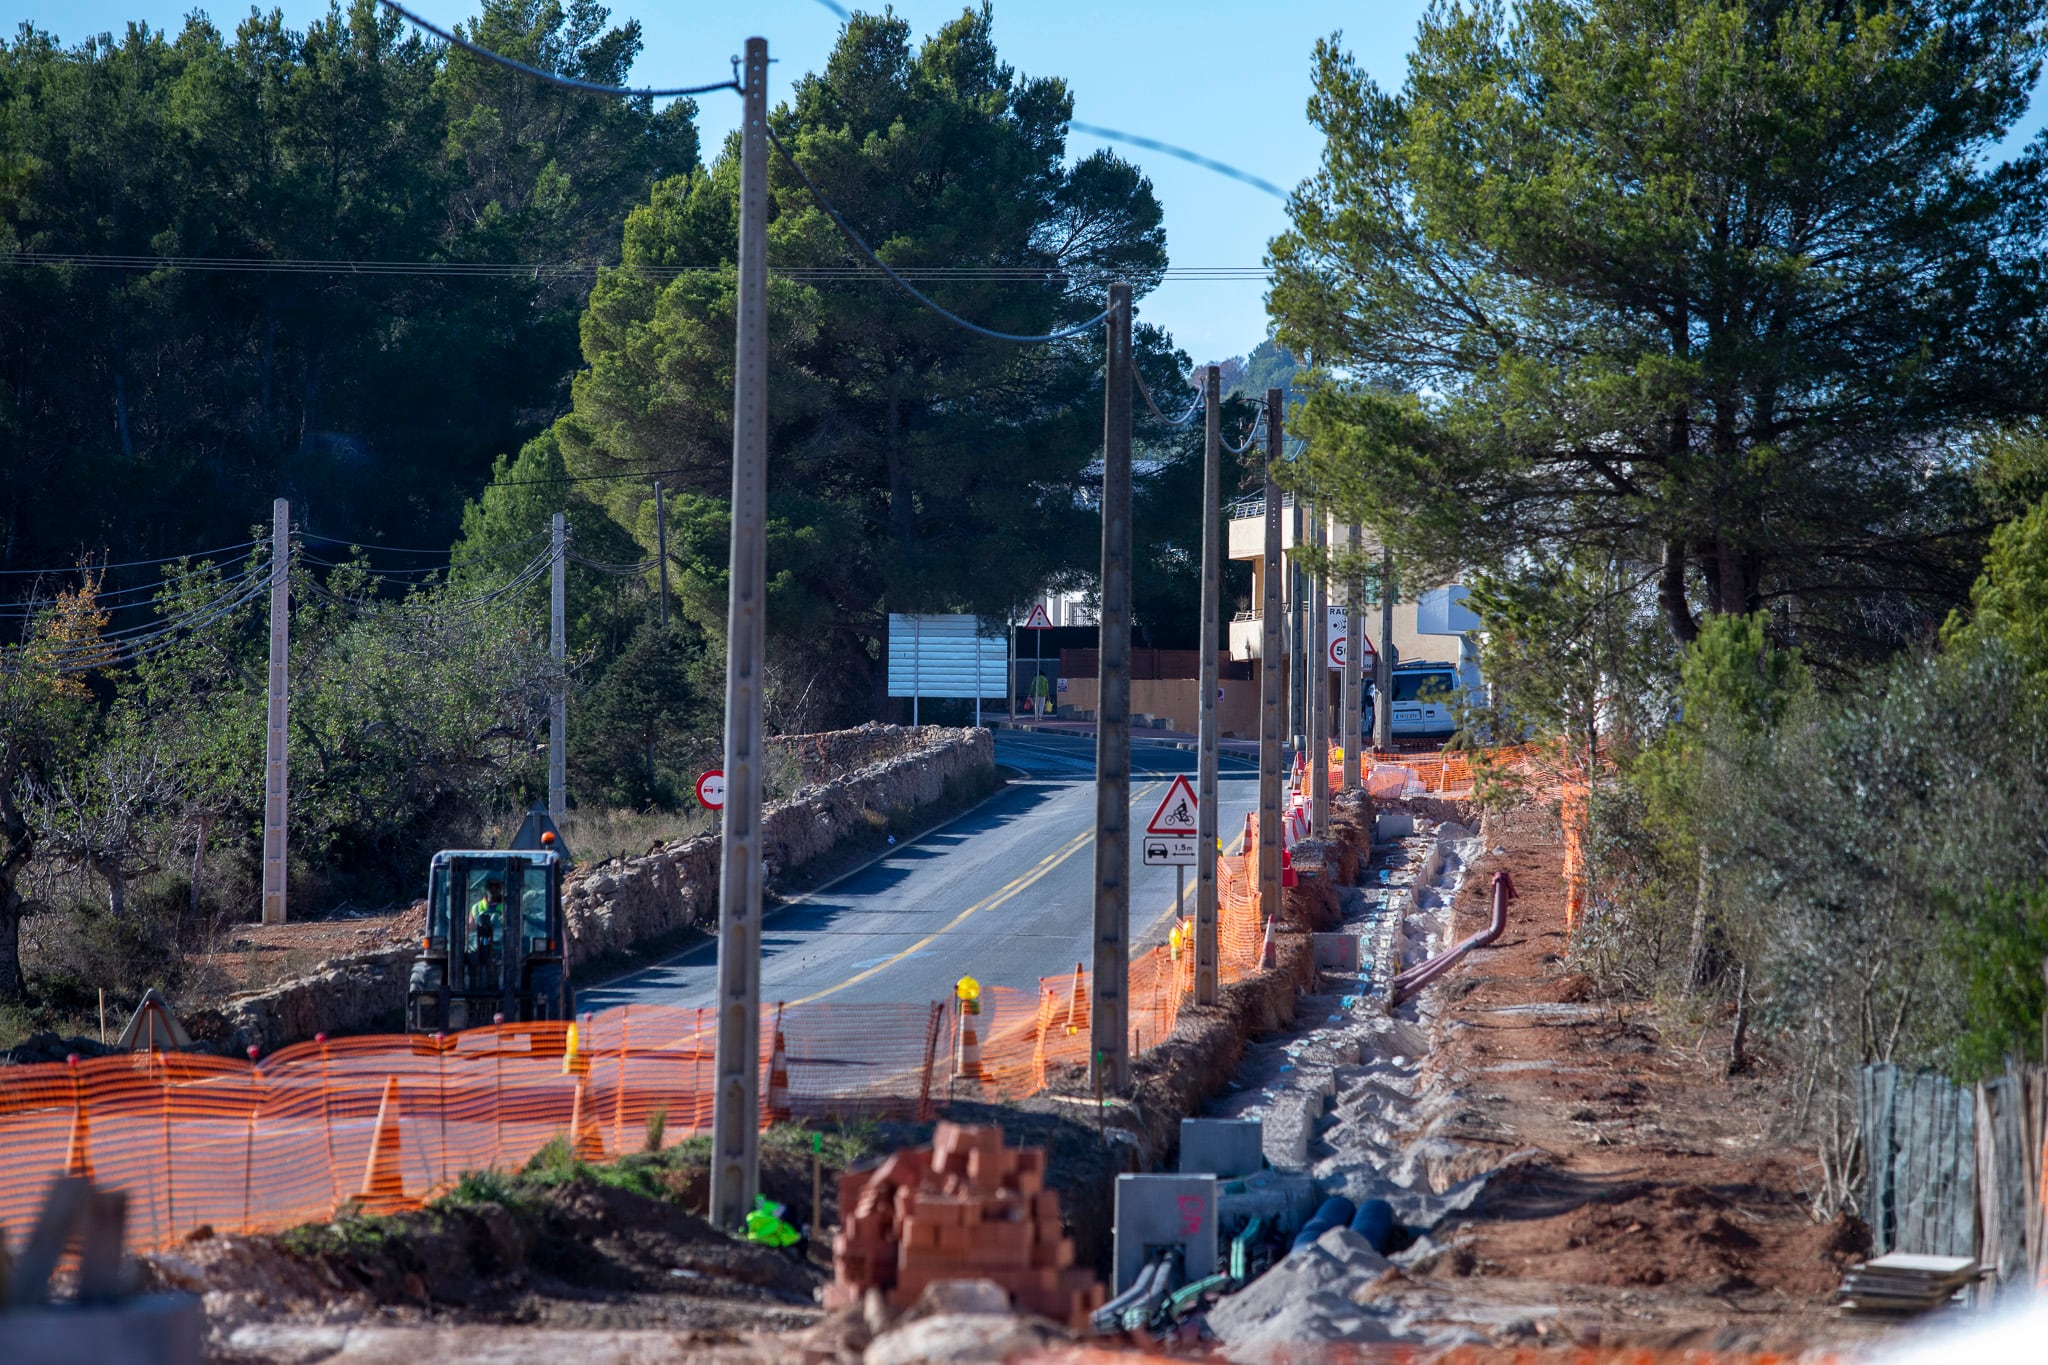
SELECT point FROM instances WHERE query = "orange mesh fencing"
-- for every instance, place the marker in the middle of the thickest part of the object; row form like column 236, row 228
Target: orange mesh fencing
column 392, row 1121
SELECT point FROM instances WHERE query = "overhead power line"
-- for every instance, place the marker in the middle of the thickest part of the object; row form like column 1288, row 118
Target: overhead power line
column 566, row 82
column 90, row 567
column 556, row 270
column 867, row 252
column 1183, row 420
column 1207, row 163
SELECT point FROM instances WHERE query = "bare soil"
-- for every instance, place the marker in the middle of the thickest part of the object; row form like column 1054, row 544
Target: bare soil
column 1653, row 1199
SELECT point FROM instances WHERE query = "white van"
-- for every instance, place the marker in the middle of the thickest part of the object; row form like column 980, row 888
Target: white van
column 1427, row 694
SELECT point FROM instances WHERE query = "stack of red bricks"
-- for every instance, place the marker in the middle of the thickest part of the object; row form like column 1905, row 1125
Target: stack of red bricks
column 966, row 1207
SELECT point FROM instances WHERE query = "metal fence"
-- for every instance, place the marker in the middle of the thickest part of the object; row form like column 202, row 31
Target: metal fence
column 1955, row 1170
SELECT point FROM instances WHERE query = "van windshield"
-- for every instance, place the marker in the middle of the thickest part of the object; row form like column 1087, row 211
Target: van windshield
column 1424, row 687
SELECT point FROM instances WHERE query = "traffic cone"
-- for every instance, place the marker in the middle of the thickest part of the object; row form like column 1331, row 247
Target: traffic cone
column 1077, row 1004
column 1288, row 876
column 1269, row 954
column 77, row 1159
column 585, row 1142
column 967, row 1066
column 574, row 1063
column 383, row 1183
column 778, row 1077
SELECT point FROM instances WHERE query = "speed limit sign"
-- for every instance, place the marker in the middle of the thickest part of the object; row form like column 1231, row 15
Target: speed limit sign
column 711, row 790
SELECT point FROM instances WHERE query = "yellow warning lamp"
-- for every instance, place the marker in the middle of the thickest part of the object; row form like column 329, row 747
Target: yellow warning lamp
column 1173, row 942
column 968, row 992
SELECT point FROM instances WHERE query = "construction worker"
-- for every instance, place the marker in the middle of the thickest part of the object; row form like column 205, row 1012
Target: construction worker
column 487, row 916
column 767, row 1225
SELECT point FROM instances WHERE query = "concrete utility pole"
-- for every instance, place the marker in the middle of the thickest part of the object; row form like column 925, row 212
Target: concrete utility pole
column 1297, row 636
column 1109, row 1013
column 1212, row 609
column 1353, row 728
column 1316, row 678
column 558, row 650
column 736, row 1100
column 661, row 547
column 276, row 748
column 1383, row 672
column 1269, row 680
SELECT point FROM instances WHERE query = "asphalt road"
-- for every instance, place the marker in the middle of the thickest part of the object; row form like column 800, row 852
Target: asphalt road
column 1004, row 894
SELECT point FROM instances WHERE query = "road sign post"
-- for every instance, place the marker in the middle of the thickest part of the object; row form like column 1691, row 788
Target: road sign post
column 1174, row 830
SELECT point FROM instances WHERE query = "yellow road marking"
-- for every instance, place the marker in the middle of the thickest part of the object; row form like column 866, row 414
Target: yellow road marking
column 1009, row 891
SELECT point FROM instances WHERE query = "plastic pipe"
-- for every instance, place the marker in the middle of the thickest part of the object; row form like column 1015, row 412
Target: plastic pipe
column 1334, row 1212
column 1415, row 978
column 1374, row 1221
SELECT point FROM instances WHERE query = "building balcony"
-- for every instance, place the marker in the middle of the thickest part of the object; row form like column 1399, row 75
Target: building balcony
column 1248, row 526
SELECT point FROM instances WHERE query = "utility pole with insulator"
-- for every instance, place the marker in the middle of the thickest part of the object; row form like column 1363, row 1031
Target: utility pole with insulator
column 1316, row 679
column 661, row 548
column 558, row 651
column 1354, row 667
column 735, row 1105
column 276, row 739
column 1109, row 1014
column 1383, row 670
column 1212, row 610
column 1270, row 699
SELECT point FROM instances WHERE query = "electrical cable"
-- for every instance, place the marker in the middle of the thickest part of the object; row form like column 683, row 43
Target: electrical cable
column 372, row 545
column 818, row 197
column 108, row 601
column 566, row 82
column 131, row 563
column 1184, row 419
column 554, row 270
column 1205, row 162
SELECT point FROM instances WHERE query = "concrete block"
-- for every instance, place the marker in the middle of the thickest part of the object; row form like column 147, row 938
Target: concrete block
column 1224, row 1148
column 1289, row 1124
column 156, row 1329
column 1389, row 825
column 1285, row 1199
column 1154, row 1212
column 1336, row 952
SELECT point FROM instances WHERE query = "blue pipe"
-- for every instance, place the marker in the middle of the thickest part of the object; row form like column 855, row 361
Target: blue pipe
column 1375, row 1223
column 1336, row 1211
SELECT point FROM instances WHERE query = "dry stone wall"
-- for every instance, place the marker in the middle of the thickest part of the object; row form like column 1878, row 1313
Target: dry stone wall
column 625, row 901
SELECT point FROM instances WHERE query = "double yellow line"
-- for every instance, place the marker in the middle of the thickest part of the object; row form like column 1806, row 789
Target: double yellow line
column 1007, row 892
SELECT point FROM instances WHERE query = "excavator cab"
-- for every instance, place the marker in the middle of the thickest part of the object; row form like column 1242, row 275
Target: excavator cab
column 494, row 943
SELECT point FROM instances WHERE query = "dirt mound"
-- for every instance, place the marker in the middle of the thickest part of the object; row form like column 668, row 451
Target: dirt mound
column 579, row 1254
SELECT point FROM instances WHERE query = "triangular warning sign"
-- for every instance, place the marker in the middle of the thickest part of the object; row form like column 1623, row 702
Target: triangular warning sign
column 1037, row 620
column 1176, row 814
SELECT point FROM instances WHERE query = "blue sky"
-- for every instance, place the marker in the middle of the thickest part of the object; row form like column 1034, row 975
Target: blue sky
column 1228, row 80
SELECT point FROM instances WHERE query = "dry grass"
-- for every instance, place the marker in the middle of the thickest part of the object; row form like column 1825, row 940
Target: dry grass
column 595, row 835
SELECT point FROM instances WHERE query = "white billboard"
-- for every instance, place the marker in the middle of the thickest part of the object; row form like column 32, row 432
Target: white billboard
column 946, row 656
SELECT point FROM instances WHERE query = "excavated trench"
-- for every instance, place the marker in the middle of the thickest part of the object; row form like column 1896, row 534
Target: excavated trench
column 1350, row 1106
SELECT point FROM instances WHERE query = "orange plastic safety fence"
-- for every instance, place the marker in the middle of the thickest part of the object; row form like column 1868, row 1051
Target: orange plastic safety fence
column 394, row 1120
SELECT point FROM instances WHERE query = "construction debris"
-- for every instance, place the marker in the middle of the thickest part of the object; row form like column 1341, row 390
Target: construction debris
column 1902, row 1283
column 966, row 1206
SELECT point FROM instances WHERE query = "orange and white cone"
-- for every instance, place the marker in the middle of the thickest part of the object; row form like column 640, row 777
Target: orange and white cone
column 1077, row 1003
column 585, row 1142
column 967, row 1066
column 778, row 1079
column 77, row 1159
column 1269, row 955
column 383, row 1183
